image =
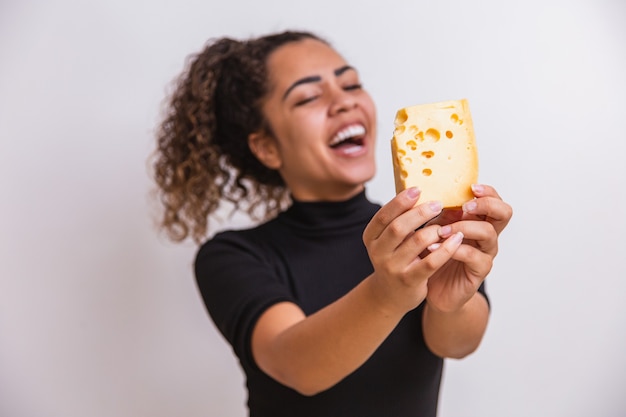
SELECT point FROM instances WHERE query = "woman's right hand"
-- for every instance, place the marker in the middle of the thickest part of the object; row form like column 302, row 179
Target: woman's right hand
column 398, row 250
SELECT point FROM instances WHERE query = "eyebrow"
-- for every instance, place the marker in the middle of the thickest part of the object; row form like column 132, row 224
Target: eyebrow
column 315, row 79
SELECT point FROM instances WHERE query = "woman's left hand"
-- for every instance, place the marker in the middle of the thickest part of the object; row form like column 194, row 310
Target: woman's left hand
column 481, row 221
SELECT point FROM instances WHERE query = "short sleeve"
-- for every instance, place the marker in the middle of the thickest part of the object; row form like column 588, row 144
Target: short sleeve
column 483, row 290
column 237, row 282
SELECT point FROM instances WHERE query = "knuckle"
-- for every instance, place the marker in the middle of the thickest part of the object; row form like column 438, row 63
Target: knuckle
column 403, row 277
column 488, row 206
column 484, row 231
column 487, row 265
column 477, row 257
column 396, row 229
column 429, row 264
column 382, row 218
column 471, row 255
column 508, row 211
column 497, row 208
column 495, row 250
column 423, row 211
column 424, row 238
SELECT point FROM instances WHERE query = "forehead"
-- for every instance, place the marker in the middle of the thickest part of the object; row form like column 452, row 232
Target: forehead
column 300, row 59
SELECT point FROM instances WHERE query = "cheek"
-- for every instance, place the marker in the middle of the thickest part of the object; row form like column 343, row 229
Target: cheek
column 306, row 129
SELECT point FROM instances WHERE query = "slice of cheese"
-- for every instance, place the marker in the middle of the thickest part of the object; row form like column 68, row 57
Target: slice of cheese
column 434, row 148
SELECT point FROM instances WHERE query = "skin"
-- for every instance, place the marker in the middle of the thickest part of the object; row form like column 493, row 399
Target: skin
column 315, row 94
column 312, row 97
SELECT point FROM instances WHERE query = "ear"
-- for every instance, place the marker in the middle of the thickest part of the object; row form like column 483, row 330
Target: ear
column 265, row 148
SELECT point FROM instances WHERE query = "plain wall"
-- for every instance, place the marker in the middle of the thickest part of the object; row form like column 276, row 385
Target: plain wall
column 99, row 315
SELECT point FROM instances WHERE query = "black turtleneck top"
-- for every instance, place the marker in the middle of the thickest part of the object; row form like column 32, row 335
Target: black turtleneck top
column 311, row 255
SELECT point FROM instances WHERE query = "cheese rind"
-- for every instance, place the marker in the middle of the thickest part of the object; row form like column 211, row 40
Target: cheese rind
column 434, row 148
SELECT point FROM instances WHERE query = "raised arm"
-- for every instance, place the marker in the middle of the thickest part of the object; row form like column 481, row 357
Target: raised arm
column 456, row 315
column 311, row 354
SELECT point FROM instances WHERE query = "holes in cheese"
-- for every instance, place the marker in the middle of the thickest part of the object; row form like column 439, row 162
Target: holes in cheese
column 434, row 148
column 433, row 134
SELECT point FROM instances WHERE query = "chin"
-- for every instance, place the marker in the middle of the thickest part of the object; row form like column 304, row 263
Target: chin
column 361, row 180
column 369, row 172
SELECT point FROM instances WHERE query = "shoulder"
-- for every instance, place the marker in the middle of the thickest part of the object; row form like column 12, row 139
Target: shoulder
column 229, row 244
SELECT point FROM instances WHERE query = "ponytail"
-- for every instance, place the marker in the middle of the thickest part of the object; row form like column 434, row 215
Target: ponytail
column 202, row 156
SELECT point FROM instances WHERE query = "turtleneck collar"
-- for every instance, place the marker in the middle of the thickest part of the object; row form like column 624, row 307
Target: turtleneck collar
column 323, row 216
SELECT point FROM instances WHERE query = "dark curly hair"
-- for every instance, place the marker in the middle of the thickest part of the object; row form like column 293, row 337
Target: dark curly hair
column 202, row 157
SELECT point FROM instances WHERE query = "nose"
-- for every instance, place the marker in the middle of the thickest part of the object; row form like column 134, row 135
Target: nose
column 342, row 101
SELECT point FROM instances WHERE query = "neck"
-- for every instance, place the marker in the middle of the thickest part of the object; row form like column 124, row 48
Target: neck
column 335, row 194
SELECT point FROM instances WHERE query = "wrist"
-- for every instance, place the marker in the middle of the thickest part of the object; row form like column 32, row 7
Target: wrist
column 449, row 309
column 381, row 298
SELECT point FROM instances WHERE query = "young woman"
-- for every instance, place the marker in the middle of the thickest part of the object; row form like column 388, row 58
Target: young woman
column 334, row 306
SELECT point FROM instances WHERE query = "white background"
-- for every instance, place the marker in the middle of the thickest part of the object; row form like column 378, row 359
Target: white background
column 99, row 316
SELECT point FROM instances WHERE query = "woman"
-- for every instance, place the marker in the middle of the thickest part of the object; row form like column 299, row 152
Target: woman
column 333, row 305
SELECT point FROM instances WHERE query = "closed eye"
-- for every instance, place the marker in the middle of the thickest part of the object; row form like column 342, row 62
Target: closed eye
column 350, row 87
column 305, row 101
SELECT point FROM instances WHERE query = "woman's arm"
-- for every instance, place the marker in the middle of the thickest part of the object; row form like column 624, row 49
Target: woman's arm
column 456, row 334
column 311, row 354
column 455, row 316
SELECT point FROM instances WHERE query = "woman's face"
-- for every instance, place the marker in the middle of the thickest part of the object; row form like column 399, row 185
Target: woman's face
column 323, row 124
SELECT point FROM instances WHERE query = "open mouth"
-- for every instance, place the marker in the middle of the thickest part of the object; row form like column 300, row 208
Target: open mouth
column 351, row 136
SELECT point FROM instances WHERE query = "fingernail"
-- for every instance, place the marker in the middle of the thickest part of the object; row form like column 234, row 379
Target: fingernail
column 413, row 192
column 444, row 231
column 469, row 206
column 433, row 247
column 477, row 188
column 457, row 237
column 435, row 206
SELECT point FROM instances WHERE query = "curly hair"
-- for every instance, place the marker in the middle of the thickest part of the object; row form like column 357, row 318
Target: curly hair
column 202, row 157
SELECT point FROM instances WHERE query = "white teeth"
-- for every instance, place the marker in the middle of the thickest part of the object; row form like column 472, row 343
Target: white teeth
column 348, row 132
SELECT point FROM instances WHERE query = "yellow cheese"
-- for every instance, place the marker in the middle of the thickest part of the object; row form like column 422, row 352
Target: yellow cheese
column 434, row 148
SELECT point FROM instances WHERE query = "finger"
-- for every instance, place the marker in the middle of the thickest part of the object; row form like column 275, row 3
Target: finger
column 484, row 190
column 436, row 259
column 490, row 207
column 481, row 234
column 401, row 203
column 403, row 228
column 416, row 243
column 493, row 210
column 476, row 262
column 447, row 216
